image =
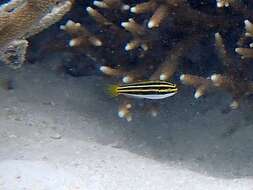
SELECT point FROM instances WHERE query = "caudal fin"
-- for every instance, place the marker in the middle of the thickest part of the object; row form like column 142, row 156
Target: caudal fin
column 112, row 90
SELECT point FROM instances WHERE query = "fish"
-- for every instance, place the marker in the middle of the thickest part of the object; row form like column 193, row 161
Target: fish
column 145, row 89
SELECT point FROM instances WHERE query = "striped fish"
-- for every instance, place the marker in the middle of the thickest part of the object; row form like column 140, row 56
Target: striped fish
column 145, row 89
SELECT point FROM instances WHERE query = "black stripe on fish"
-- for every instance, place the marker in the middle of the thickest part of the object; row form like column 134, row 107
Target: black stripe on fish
column 149, row 83
column 145, row 88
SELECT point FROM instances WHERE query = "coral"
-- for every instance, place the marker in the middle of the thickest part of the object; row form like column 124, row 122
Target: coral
column 201, row 84
column 157, row 39
column 247, row 52
column 21, row 19
column 234, row 79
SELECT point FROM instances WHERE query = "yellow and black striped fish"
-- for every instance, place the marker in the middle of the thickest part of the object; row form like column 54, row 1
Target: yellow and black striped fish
column 145, row 89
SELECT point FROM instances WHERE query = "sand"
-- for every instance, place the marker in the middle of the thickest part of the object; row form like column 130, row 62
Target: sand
column 60, row 132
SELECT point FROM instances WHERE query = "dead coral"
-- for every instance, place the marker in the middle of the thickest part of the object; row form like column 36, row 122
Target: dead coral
column 21, row 19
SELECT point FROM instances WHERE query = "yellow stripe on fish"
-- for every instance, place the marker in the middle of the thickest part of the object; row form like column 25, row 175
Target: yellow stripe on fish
column 145, row 89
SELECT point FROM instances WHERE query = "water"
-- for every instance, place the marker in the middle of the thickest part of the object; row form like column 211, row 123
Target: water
column 59, row 121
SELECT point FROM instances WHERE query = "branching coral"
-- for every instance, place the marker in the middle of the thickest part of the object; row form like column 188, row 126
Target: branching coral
column 21, row 19
column 152, row 40
column 247, row 52
column 234, row 79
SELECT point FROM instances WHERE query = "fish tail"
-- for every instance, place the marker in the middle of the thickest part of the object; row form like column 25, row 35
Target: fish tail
column 112, row 90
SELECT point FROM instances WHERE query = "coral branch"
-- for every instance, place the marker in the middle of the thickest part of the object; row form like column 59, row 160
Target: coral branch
column 248, row 28
column 144, row 7
column 245, row 52
column 20, row 20
column 111, row 4
column 81, row 36
column 223, row 3
column 110, row 71
column 125, row 110
column 158, row 16
column 202, row 85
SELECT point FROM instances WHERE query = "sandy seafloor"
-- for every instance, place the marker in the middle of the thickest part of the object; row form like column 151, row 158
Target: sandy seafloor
column 62, row 133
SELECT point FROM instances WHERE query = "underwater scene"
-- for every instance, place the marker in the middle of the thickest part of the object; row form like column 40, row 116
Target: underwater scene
column 126, row 94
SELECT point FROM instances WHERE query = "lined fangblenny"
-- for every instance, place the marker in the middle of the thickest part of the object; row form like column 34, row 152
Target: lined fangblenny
column 145, row 89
